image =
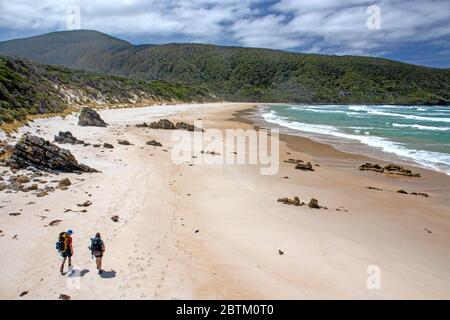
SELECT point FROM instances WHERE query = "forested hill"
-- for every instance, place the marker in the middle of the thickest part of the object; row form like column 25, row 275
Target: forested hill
column 30, row 88
column 243, row 74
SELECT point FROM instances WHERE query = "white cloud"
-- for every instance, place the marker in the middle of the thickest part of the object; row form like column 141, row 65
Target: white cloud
column 322, row 26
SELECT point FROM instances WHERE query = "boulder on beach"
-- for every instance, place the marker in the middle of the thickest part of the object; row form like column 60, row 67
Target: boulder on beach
column 313, row 204
column 168, row 125
column 153, row 143
column 67, row 137
column 64, row 182
column 304, row 166
column 296, row 201
column 89, row 117
column 124, row 142
column 390, row 168
column 33, row 151
column 108, row 146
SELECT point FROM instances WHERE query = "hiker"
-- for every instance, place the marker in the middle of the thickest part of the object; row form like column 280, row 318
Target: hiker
column 97, row 248
column 64, row 246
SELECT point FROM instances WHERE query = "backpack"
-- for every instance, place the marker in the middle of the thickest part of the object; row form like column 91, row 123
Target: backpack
column 96, row 244
column 60, row 245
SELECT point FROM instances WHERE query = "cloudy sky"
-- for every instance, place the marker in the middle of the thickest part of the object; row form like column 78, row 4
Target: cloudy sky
column 415, row 31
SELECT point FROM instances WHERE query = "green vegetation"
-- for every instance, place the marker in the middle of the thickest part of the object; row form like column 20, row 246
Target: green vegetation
column 28, row 88
column 243, row 74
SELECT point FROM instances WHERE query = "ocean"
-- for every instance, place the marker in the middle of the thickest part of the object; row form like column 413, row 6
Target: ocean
column 412, row 134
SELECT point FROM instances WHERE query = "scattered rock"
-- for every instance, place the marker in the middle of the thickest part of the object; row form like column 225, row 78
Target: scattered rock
column 89, row 117
column 64, row 297
column 15, row 214
column 42, row 154
column 67, row 137
column 42, row 194
column 402, row 191
column 54, row 223
column 280, row 252
column 64, row 182
column 197, row 231
column 108, row 146
column 427, row 230
column 22, row 179
column 124, row 142
column 304, row 166
column 374, row 188
column 154, row 143
column 168, row 125
column 423, row 194
column 313, row 204
column 24, row 293
column 390, row 168
column 87, row 203
column 294, row 161
column 296, row 201
column 115, row 218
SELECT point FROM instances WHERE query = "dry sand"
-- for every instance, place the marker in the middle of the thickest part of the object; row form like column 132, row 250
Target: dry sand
column 154, row 251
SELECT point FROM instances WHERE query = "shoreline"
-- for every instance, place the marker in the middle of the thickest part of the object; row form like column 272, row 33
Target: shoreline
column 184, row 231
column 368, row 152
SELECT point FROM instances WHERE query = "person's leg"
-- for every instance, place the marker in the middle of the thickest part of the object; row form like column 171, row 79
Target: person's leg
column 100, row 263
column 70, row 261
column 62, row 265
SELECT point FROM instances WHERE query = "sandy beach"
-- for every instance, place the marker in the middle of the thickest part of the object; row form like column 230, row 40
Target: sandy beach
column 217, row 231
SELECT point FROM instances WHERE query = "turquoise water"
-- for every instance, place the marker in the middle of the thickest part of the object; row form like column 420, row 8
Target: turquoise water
column 412, row 133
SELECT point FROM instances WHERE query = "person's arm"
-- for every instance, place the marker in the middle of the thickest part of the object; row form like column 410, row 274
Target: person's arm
column 70, row 246
column 103, row 246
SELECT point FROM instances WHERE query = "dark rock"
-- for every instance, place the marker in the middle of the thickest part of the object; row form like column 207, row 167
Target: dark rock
column 115, row 218
column 44, row 155
column 390, row 168
column 304, row 166
column 15, row 214
column 22, row 179
column 67, row 137
column 64, row 297
column 64, row 182
column 108, row 146
column 423, row 194
column 24, row 293
column 402, row 191
column 87, row 203
column 54, row 223
column 296, row 201
column 162, row 124
column 124, row 142
column 154, row 143
column 374, row 188
column 280, row 252
column 313, row 204
column 168, row 125
column 89, row 117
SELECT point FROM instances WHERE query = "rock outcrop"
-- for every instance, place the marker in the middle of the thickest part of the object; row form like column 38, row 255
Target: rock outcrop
column 295, row 202
column 390, row 168
column 153, row 143
column 33, row 151
column 304, row 166
column 67, row 137
column 168, row 125
column 314, row 204
column 89, row 117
